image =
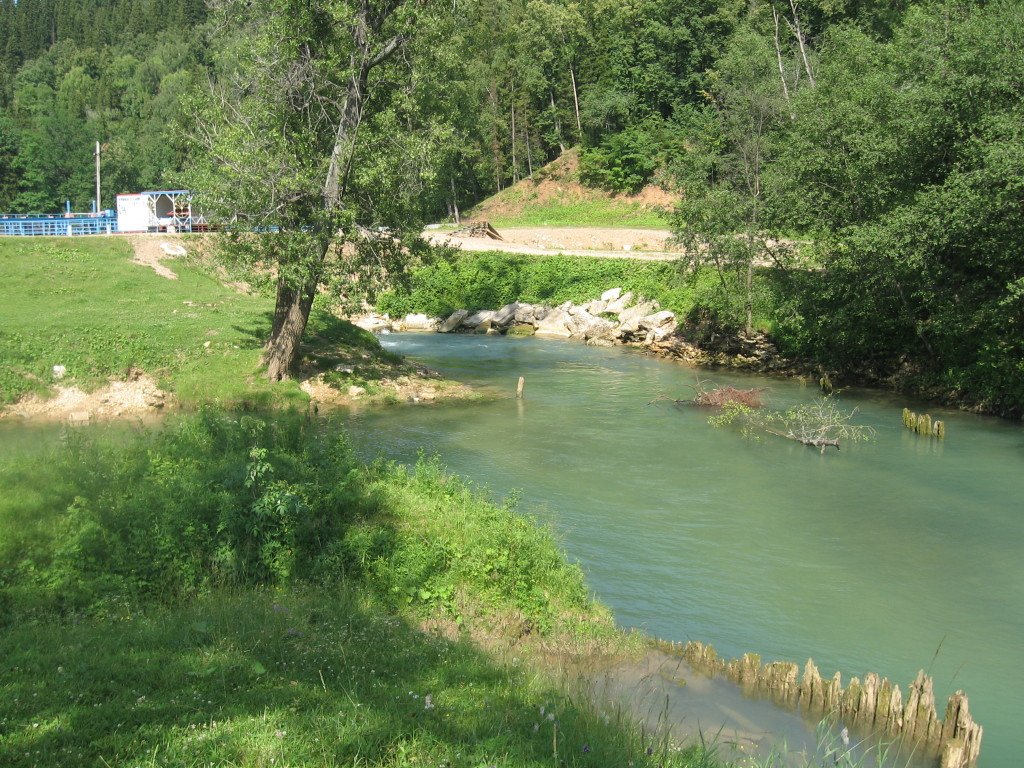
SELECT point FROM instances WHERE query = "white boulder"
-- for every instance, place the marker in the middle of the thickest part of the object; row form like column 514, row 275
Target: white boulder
column 555, row 324
column 588, row 326
column 473, row 320
column 374, row 323
column 658, row 320
column 615, row 306
column 419, row 322
column 454, row 321
column 505, row 316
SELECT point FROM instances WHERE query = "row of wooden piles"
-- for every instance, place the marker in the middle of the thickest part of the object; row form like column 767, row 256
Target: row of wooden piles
column 874, row 705
column 923, row 424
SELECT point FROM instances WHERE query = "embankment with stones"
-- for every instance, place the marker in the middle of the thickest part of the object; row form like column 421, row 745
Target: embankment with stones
column 616, row 317
column 873, row 705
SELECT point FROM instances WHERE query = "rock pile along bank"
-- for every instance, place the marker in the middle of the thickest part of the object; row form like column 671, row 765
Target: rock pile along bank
column 617, row 317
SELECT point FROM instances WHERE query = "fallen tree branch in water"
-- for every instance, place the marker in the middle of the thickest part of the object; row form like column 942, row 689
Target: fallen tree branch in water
column 819, row 424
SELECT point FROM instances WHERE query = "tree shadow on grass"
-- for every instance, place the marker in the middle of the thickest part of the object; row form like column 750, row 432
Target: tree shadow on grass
column 328, row 340
column 302, row 677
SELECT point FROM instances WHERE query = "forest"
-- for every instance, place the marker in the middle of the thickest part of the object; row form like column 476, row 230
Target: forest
column 863, row 158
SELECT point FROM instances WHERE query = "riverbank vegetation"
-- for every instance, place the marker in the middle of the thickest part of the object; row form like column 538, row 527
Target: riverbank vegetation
column 233, row 585
column 452, row 280
column 884, row 138
column 237, row 588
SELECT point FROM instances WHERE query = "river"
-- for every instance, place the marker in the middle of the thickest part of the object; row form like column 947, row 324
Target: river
column 888, row 556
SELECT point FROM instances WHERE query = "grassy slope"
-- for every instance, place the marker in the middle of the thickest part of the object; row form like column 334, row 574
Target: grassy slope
column 139, row 626
column 83, row 304
column 554, row 197
column 301, row 678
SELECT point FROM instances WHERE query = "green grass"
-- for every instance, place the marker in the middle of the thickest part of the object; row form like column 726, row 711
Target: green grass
column 234, row 590
column 458, row 279
column 301, row 678
column 83, row 304
column 597, row 212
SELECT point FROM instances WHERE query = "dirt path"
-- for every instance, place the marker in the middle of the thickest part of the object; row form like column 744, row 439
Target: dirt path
column 599, row 242
column 150, row 250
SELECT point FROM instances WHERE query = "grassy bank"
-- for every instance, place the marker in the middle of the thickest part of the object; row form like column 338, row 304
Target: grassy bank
column 240, row 591
column 523, row 211
column 232, row 587
column 84, row 305
column 456, row 280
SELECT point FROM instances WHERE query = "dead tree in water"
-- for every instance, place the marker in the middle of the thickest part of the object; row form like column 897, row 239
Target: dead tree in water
column 819, row 424
column 718, row 397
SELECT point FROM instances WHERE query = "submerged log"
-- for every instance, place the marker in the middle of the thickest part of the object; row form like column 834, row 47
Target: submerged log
column 816, row 442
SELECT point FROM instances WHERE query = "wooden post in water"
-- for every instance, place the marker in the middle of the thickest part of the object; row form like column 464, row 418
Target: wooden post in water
column 520, row 387
column 872, row 705
column 923, row 424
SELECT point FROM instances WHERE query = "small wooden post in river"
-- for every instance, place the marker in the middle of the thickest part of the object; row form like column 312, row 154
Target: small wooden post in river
column 520, row 387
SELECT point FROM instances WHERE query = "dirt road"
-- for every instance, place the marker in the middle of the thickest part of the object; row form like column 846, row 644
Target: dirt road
column 600, row 242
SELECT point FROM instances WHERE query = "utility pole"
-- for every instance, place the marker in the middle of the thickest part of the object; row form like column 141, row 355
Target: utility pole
column 97, row 178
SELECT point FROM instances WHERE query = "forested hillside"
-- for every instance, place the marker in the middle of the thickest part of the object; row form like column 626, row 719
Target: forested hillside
column 883, row 138
column 73, row 72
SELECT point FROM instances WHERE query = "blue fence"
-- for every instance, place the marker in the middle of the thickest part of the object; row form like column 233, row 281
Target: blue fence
column 59, row 225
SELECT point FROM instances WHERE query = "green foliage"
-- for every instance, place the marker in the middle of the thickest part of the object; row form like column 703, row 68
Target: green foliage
column 309, row 676
column 582, row 213
column 905, row 162
column 116, row 75
column 458, row 280
column 239, row 589
column 712, row 306
column 818, row 423
column 625, row 161
column 209, row 501
column 216, row 500
column 83, row 304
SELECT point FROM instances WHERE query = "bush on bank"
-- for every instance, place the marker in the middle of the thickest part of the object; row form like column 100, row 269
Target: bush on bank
column 219, row 500
column 461, row 280
column 239, row 590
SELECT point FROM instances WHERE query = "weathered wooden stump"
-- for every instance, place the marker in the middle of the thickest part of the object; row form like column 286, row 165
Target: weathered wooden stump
column 874, row 705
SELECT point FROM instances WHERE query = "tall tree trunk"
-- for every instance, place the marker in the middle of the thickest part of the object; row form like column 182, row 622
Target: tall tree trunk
column 455, row 202
column 558, row 123
column 529, row 154
column 749, row 298
column 492, row 96
column 294, row 302
column 778, row 56
column 799, row 34
column 515, row 165
column 291, row 313
column 576, row 101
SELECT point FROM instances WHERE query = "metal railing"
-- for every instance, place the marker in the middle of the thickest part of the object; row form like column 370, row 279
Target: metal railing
column 57, row 225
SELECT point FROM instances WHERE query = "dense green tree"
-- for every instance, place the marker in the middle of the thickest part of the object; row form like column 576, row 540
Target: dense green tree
column 307, row 135
column 721, row 217
column 906, row 166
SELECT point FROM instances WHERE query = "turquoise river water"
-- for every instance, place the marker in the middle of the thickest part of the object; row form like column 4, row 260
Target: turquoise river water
column 889, row 556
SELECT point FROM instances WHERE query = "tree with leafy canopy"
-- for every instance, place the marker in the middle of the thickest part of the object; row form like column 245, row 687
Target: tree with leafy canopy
column 720, row 218
column 906, row 166
column 306, row 137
